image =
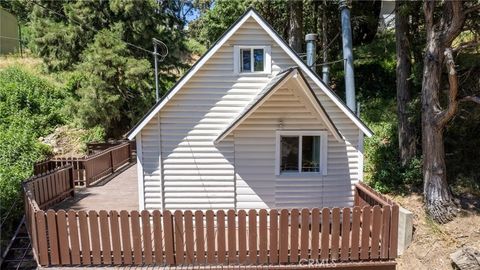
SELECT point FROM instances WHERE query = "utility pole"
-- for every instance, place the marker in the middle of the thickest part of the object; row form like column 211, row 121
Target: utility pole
column 344, row 6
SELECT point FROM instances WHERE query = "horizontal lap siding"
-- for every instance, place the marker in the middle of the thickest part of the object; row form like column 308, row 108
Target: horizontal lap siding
column 199, row 175
column 151, row 166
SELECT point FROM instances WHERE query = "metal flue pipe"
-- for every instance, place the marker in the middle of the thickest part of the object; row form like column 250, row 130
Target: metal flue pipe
column 311, row 40
column 347, row 54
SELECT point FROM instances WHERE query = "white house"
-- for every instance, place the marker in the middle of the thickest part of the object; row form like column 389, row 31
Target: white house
column 249, row 126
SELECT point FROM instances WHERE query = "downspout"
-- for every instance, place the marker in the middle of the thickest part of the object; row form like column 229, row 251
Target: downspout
column 344, row 6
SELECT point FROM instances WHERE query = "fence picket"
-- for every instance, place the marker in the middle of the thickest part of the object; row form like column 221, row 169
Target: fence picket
column 385, row 237
column 242, row 237
column 126, row 241
column 42, row 238
column 355, row 233
column 116, row 242
column 315, row 234
column 221, row 248
column 252, row 236
column 345, row 234
column 376, row 230
column 147, row 237
column 294, row 216
column 94, row 236
column 73, row 233
column 210, row 217
column 325, row 228
column 304, row 233
column 179, row 241
column 63, row 237
column 199, row 233
column 168, row 229
column 189, row 237
column 105, row 237
column 364, row 247
column 158, row 236
column 335, row 237
column 393, row 232
column 283, row 253
column 273, row 253
column 263, row 236
column 136, row 237
column 232, row 237
column 84, row 237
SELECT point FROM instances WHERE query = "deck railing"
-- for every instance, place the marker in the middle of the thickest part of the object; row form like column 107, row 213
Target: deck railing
column 87, row 170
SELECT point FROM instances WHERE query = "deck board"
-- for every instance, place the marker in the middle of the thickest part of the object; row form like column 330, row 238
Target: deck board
column 119, row 193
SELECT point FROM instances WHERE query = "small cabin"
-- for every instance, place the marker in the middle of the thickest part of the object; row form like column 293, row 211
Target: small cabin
column 249, row 126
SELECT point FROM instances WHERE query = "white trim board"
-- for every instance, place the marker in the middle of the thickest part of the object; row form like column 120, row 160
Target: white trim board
column 250, row 14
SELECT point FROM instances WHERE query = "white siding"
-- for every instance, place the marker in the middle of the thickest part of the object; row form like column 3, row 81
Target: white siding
column 199, row 175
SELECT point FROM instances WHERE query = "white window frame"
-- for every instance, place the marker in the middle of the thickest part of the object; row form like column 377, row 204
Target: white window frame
column 300, row 133
column 267, row 59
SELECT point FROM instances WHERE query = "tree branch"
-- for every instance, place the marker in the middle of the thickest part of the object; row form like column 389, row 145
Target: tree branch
column 446, row 115
column 466, row 45
column 455, row 23
column 472, row 9
column 475, row 99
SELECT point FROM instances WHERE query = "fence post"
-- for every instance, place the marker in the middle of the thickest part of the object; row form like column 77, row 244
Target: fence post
column 111, row 161
column 72, row 183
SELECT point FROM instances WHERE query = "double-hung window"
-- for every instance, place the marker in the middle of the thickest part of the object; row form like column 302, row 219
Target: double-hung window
column 301, row 152
column 252, row 59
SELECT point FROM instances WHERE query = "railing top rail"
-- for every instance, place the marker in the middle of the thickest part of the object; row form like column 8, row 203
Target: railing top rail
column 381, row 199
column 115, row 147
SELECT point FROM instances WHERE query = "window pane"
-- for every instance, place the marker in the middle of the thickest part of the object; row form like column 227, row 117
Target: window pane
column 258, row 59
column 311, row 154
column 246, row 60
column 289, row 150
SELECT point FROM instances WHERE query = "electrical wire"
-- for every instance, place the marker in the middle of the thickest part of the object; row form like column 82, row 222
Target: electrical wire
column 93, row 29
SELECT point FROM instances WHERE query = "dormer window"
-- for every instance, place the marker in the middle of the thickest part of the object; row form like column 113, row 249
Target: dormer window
column 252, row 60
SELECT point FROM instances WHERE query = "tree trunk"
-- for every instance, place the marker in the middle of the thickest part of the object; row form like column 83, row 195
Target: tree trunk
column 406, row 134
column 438, row 198
column 295, row 31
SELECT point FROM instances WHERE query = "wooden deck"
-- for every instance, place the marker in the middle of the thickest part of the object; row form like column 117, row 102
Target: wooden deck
column 117, row 192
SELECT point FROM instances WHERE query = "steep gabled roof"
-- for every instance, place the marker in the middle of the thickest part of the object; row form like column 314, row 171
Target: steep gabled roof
column 250, row 13
column 275, row 84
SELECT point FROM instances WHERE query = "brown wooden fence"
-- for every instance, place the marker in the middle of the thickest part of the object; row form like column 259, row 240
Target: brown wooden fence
column 215, row 238
column 89, row 169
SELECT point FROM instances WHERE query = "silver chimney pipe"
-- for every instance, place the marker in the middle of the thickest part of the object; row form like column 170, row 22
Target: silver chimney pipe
column 347, row 53
column 311, row 40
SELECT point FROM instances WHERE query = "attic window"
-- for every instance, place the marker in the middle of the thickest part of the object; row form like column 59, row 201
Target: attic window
column 252, row 59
